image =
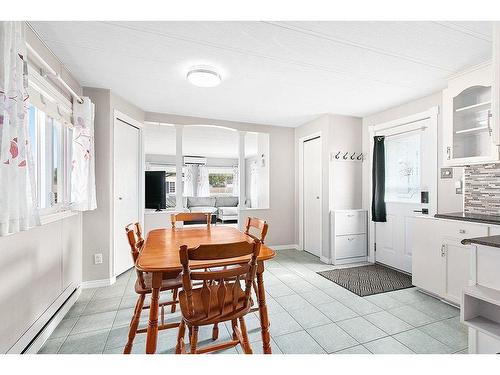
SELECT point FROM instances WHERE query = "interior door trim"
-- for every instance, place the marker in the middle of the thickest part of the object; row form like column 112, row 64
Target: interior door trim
column 300, row 207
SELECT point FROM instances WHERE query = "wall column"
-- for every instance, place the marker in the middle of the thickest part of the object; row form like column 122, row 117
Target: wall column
column 241, row 169
column 178, row 168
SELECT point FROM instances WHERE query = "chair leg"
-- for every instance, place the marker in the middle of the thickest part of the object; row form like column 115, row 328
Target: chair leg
column 234, row 323
column 215, row 332
column 180, row 347
column 245, row 344
column 174, row 299
column 194, row 339
column 134, row 324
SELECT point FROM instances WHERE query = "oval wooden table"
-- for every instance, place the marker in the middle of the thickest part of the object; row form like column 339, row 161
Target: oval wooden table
column 161, row 255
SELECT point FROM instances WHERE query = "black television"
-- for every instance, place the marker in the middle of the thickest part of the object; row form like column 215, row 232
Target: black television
column 155, row 190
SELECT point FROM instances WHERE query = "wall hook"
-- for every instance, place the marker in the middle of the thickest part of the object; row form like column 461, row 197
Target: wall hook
column 360, row 157
column 352, row 156
column 337, row 155
column 345, row 156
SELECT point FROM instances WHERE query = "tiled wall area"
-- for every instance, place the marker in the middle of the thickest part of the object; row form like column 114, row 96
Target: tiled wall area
column 482, row 189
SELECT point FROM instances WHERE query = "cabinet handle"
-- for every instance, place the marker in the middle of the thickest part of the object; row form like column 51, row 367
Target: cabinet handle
column 443, row 250
column 448, row 152
column 461, row 231
column 350, row 239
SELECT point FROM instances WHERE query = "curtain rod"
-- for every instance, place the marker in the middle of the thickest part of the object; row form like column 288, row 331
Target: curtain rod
column 32, row 51
column 406, row 131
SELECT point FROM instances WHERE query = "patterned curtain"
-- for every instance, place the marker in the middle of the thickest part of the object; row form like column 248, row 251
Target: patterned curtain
column 203, row 183
column 188, row 181
column 83, row 194
column 18, row 208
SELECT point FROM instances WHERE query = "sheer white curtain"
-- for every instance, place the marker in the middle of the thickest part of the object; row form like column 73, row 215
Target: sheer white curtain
column 18, row 208
column 83, row 194
column 188, row 181
column 203, row 183
column 236, row 188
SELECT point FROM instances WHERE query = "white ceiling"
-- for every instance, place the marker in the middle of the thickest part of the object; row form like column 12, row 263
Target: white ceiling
column 279, row 73
column 203, row 140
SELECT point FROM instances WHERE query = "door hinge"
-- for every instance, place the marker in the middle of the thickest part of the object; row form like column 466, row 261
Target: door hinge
column 375, row 246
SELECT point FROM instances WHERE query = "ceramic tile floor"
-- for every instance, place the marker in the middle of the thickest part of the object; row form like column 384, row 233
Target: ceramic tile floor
column 308, row 314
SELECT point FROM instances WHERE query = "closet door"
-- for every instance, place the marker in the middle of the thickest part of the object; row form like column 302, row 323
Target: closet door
column 312, row 196
column 126, row 190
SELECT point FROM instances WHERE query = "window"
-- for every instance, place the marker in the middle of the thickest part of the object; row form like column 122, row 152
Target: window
column 221, row 181
column 50, row 142
column 402, row 169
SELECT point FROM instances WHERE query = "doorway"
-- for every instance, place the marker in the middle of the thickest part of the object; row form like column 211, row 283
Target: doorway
column 312, row 195
column 410, row 185
column 126, row 188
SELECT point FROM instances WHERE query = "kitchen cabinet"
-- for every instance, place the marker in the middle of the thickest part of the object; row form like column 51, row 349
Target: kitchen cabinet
column 469, row 118
column 440, row 263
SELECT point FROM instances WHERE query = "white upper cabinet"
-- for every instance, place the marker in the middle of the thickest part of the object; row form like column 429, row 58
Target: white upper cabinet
column 468, row 118
column 471, row 113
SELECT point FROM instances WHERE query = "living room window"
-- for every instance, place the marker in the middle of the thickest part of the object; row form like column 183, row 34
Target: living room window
column 221, row 182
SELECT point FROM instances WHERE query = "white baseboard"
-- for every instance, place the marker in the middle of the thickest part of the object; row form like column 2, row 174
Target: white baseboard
column 98, row 283
column 35, row 337
column 351, row 260
column 285, row 247
column 325, row 259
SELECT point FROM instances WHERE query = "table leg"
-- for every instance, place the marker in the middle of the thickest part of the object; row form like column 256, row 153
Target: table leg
column 152, row 333
column 264, row 319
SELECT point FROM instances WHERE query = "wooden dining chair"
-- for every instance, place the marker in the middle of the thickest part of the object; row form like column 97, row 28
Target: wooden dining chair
column 260, row 226
column 171, row 282
column 220, row 297
column 187, row 217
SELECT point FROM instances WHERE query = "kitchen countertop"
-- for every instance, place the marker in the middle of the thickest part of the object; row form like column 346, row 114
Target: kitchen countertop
column 465, row 216
column 493, row 241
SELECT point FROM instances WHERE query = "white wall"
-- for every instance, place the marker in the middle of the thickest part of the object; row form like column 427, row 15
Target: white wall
column 448, row 200
column 36, row 266
column 280, row 214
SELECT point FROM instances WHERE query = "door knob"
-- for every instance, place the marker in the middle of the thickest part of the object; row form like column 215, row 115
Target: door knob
column 120, row 198
column 425, row 211
column 317, row 197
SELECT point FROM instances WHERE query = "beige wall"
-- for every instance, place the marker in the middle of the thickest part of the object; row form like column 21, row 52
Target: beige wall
column 337, row 133
column 280, row 214
column 98, row 224
column 448, row 201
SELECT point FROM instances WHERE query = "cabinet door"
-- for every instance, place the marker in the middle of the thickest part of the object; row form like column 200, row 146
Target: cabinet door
column 467, row 117
column 428, row 264
column 458, row 272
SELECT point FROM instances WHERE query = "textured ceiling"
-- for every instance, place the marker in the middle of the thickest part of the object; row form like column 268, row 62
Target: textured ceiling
column 279, row 73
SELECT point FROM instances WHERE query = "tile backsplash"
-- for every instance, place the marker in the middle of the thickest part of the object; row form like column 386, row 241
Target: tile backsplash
column 482, row 189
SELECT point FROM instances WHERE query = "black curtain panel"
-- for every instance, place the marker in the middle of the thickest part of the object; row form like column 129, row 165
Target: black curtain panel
column 378, row 180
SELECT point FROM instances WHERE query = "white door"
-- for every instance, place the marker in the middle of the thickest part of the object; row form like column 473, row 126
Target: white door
column 410, row 168
column 312, row 196
column 126, row 190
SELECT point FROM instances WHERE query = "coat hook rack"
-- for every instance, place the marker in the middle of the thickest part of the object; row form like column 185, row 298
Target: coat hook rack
column 347, row 156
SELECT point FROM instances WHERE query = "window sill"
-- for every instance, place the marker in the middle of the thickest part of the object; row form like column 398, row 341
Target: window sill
column 51, row 218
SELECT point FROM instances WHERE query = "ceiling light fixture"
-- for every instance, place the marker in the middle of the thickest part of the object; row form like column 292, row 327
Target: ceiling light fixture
column 203, row 76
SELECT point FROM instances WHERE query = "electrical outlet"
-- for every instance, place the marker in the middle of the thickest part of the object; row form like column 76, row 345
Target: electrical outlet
column 97, row 258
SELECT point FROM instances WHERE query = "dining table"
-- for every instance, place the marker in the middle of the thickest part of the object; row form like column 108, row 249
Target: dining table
column 160, row 255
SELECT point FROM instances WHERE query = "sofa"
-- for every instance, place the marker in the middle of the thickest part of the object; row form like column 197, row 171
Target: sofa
column 227, row 208
column 222, row 208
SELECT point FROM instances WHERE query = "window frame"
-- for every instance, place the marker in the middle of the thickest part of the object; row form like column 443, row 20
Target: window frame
column 49, row 102
column 221, row 170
